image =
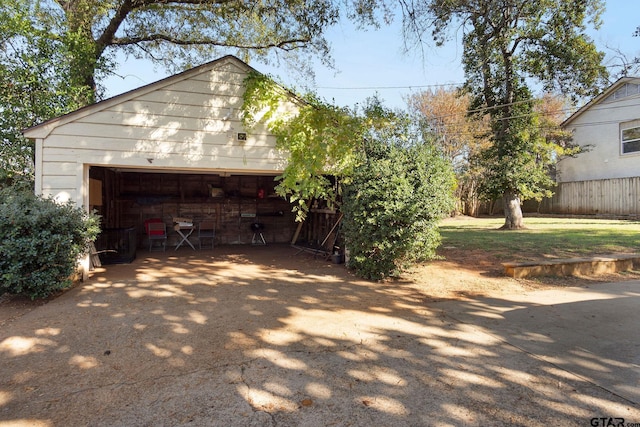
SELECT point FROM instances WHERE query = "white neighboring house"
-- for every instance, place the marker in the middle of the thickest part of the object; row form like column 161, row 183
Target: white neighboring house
column 186, row 123
column 604, row 180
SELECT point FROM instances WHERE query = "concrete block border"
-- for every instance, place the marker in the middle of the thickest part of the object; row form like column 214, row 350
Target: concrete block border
column 572, row 266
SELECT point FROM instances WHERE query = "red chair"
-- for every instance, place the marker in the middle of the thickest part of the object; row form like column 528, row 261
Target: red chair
column 156, row 232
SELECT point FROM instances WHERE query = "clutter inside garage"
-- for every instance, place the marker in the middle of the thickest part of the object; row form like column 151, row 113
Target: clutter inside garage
column 244, row 209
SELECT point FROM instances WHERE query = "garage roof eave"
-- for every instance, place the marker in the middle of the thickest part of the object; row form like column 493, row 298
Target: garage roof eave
column 220, row 172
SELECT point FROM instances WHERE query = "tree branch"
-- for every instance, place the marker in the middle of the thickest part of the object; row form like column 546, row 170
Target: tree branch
column 109, row 32
column 284, row 44
column 107, row 37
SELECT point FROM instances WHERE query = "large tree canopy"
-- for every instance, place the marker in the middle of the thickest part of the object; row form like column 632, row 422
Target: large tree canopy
column 510, row 47
column 182, row 33
column 36, row 86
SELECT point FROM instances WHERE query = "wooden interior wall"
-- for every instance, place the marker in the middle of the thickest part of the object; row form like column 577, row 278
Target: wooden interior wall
column 318, row 228
column 130, row 198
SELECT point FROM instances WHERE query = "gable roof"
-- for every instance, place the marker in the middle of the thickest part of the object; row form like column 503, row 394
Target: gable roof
column 611, row 90
column 42, row 130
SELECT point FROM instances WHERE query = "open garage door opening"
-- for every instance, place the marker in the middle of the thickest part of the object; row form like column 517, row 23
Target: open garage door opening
column 127, row 199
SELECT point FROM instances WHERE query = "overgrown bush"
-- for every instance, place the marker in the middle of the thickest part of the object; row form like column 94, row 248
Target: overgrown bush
column 40, row 242
column 392, row 207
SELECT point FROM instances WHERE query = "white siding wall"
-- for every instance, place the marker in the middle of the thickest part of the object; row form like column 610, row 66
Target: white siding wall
column 179, row 124
column 599, row 127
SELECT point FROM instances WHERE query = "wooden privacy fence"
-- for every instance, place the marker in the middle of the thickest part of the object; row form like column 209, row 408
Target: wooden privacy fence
column 609, row 197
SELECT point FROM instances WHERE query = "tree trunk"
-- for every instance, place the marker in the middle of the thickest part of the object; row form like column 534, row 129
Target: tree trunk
column 83, row 49
column 512, row 212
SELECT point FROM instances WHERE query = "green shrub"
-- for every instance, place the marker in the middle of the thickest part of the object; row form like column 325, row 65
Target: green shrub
column 392, row 207
column 40, row 242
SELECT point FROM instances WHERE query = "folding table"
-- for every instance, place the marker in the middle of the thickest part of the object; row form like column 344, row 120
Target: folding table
column 184, row 227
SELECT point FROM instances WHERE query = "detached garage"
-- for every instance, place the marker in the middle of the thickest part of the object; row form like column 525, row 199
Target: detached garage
column 172, row 149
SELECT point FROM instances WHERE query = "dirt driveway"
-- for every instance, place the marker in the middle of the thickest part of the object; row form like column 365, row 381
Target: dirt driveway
column 262, row 336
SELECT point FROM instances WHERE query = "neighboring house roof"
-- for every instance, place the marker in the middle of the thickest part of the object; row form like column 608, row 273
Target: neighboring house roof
column 42, row 130
column 609, row 92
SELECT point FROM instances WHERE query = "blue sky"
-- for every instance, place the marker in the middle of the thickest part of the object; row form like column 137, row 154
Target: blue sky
column 370, row 62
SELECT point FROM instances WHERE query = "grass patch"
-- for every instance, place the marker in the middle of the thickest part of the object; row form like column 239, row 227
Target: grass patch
column 544, row 237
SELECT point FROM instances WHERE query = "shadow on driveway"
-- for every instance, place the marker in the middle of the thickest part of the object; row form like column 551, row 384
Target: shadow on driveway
column 261, row 336
column 591, row 332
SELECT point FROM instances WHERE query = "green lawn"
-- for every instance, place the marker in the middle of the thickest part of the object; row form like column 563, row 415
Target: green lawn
column 544, row 237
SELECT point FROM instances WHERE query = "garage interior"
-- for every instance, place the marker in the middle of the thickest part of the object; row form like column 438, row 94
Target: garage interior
column 125, row 199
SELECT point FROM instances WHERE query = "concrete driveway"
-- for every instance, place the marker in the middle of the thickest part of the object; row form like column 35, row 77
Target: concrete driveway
column 593, row 333
column 262, row 336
